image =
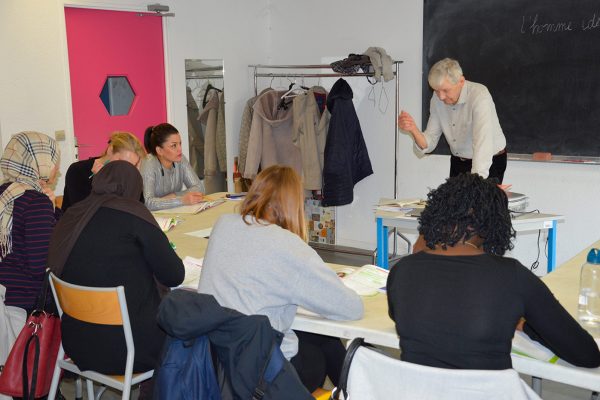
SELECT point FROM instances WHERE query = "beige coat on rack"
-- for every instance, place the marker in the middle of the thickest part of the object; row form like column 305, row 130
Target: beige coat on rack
column 270, row 139
column 309, row 133
column 214, row 180
column 245, row 126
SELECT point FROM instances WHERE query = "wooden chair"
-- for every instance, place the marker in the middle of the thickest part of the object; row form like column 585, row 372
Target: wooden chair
column 105, row 306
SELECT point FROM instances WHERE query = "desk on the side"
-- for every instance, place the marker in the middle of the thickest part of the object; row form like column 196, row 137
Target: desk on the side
column 406, row 224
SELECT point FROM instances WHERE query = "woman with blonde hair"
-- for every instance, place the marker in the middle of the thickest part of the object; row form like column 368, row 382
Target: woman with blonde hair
column 258, row 262
column 27, row 215
column 78, row 181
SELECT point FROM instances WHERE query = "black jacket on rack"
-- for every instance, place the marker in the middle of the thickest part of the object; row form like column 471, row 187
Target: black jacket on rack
column 346, row 158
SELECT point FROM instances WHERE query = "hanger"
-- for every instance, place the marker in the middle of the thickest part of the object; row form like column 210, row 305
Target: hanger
column 294, row 91
column 208, row 89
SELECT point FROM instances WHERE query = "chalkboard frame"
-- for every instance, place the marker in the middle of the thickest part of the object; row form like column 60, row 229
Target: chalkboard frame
column 444, row 26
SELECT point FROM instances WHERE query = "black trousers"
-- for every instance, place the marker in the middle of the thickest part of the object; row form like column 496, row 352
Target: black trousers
column 460, row 166
column 318, row 356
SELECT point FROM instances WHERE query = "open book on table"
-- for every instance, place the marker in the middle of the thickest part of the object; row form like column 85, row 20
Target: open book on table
column 193, row 208
column 367, row 280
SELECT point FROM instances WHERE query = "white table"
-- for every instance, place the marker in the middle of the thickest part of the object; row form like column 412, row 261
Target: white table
column 377, row 328
column 406, row 224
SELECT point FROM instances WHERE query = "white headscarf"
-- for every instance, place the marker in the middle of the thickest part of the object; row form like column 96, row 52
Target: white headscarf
column 28, row 158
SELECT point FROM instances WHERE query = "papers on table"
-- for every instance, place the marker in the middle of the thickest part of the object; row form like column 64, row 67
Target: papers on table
column 398, row 207
column 524, row 346
column 166, row 223
column 193, row 268
column 192, row 209
column 517, row 202
column 202, row 233
column 367, row 280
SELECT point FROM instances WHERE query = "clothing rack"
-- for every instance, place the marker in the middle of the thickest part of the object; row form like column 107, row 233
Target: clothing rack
column 215, row 76
column 295, row 74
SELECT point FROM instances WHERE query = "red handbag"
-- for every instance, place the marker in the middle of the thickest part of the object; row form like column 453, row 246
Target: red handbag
column 28, row 370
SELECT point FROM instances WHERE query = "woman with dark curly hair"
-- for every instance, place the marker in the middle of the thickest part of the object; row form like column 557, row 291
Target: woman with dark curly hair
column 457, row 302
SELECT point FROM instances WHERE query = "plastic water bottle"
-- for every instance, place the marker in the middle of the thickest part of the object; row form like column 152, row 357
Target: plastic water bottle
column 589, row 293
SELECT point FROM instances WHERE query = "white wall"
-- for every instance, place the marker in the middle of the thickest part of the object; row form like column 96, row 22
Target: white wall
column 34, row 92
column 235, row 31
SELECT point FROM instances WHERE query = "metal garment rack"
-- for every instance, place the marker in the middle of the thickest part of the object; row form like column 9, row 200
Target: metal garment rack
column 295, row 74
column 204, row 77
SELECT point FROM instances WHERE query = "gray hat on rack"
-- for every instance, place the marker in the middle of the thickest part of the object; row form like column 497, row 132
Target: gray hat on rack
column 382, row 63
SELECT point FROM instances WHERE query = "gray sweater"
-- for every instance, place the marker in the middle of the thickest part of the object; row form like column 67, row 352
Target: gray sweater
column 160, row 181
column 268, row 270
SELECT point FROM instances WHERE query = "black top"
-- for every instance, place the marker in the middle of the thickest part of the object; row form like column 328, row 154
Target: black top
column 78, row 183
column 461, row 312
column 118, row 248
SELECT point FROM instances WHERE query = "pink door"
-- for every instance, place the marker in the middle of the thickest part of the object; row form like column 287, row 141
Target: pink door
column 116, row 63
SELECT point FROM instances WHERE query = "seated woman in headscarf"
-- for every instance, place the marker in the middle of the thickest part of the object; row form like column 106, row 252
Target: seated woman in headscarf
column 457, row 302
column 111, row 239
column 27, row 215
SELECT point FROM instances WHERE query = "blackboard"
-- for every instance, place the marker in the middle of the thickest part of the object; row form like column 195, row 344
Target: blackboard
column 540, row 60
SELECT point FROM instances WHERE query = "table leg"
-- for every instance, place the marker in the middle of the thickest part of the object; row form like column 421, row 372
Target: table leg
column 382, row 244
column 536, row 385
column 552, row 247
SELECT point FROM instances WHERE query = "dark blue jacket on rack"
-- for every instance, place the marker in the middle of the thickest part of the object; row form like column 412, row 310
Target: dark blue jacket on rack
column 249, row 360
column 346, row 157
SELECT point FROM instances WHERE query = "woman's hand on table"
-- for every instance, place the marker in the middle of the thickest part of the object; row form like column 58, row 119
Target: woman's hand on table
column 192, row 198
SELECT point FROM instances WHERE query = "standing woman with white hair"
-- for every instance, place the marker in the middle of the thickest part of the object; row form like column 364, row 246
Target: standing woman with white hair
column 465, row 113
column 27, row 215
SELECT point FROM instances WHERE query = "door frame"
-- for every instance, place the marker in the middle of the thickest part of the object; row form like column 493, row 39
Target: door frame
column 102, row 5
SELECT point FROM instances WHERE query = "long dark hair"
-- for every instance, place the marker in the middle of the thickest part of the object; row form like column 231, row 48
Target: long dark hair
column 464, row 206
column 156, row 135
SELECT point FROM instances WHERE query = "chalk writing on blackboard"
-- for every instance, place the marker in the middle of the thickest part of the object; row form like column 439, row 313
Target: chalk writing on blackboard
column 536, row 25
column 532, row 25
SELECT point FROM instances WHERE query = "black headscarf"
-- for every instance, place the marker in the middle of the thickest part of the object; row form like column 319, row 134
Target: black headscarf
column 118, row 185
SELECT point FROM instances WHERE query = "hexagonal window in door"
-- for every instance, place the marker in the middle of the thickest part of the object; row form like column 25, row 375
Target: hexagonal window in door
column 117, row 95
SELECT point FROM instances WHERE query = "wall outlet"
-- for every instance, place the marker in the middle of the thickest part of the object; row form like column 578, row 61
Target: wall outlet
column 59, row 136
